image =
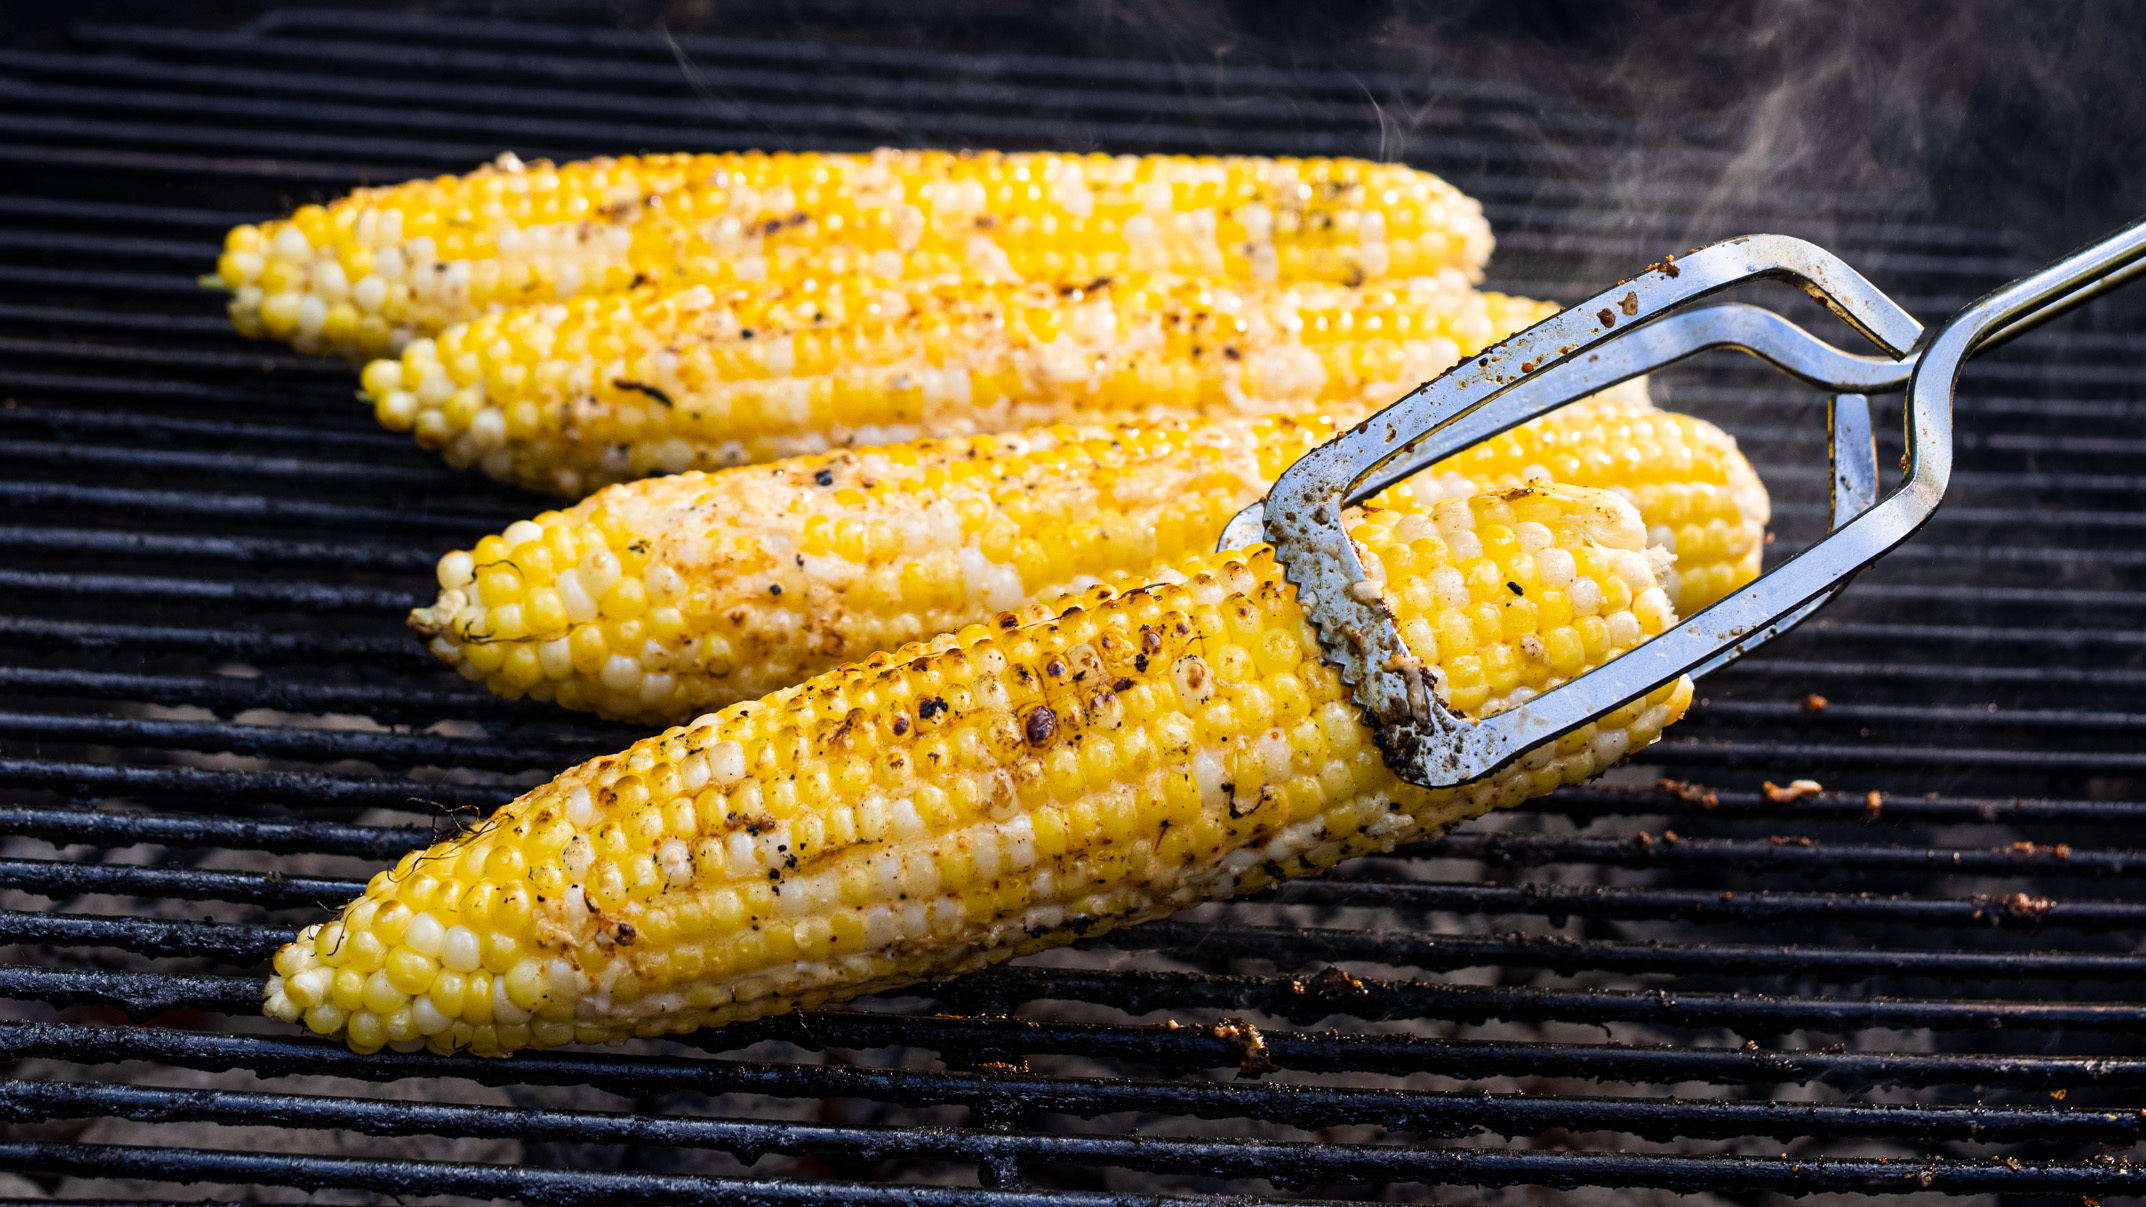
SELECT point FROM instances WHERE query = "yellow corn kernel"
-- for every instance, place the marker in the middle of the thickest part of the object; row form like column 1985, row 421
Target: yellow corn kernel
column 843, row 886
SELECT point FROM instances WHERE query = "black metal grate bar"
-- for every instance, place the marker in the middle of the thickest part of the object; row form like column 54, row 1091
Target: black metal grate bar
column 1436, row 1115
column 306, row 790
column 283, row 741
column 563, row 1188
column 270, row 551
column 103, row 828
column 1300, row 1000
column 1465, row 1166
column 218, row 505
column 75, row 420
column 1181, row 1049
column 246, row 943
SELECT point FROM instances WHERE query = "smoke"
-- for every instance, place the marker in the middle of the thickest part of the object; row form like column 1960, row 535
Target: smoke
column 2029, row 116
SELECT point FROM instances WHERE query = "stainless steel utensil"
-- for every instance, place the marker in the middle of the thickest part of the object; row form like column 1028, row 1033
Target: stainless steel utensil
column 1634, row 328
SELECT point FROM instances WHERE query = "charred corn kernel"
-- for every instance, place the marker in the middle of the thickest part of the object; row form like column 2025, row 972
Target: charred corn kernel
column 614, row 388
column 1064, row 769
column 767, row 597
column 383, row 265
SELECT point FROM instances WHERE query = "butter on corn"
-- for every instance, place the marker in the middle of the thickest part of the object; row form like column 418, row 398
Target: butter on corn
column 1058, row 772
column 657, row 600
column 382, row 265
column 565, row 399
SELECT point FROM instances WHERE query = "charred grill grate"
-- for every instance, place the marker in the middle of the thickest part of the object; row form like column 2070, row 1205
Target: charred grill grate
column 212, row 723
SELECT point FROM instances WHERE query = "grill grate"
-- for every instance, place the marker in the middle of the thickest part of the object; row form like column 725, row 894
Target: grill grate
column 213, row 723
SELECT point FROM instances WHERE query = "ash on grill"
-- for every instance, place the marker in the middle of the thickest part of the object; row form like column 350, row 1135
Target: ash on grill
column 215, row 726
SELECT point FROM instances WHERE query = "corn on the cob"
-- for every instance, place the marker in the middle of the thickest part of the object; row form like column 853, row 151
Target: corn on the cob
column 998, row 791
column 565, row 399
column 656, row 600
column 385, row 264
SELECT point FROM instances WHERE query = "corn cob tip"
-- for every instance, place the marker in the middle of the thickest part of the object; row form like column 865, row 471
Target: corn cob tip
column 1059, row 771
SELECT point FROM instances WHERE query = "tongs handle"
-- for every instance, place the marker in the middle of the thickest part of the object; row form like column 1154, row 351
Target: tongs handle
column 1995, row 319
column 2064, row 304
column 1854, row 453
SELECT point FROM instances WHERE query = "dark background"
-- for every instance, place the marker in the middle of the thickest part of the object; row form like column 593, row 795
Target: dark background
column 2029, row 114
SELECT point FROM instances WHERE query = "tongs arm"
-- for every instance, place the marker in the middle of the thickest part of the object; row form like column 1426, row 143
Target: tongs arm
column 1426, row 743
column 1657, row 345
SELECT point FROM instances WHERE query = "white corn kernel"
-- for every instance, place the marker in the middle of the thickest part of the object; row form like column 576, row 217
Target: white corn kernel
column 556, row 659
column 1556, row 568
column 581, row 808
column 1633, row 569
column 726, row 763
column 457, row 570
column 399, row 409
column 425, row 935
column 329, row 281
column 580, row 605
column 489, row 429
column 622, row 674
column 427, row 1017
column 435, row 387
column 460, row 950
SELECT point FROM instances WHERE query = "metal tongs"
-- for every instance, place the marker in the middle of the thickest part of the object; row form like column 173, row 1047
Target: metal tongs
column 1619, row 334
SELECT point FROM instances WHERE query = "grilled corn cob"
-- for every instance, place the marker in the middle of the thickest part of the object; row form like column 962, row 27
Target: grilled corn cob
column 385, row 264
column 1058, row 772
column 656, row 600
column 565, row 399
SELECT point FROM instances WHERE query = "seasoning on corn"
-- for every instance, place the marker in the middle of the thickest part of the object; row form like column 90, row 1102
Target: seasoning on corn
column 382, row 265
column 565, row 399
column 656, row 600
column 1058, row 772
